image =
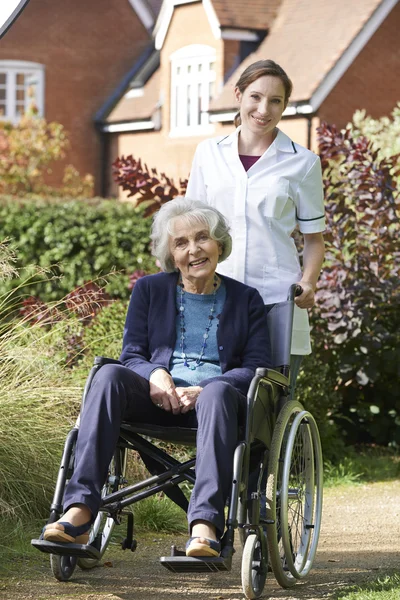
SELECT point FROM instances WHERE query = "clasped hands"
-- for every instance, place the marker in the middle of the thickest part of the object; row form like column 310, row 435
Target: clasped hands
column 165, row 395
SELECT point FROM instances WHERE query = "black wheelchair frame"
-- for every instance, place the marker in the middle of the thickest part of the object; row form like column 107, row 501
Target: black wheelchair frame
column 279, row 448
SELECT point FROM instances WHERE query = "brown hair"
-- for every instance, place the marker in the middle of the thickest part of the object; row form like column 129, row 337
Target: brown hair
column 260, row 69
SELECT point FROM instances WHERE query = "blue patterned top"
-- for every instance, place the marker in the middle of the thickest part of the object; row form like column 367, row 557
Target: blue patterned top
column 197, row 311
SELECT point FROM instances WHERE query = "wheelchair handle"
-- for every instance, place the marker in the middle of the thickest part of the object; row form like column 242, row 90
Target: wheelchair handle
column 294, row 291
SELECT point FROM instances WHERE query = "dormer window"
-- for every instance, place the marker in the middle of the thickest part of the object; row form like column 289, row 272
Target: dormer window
column 192, row 87
column 21, row 86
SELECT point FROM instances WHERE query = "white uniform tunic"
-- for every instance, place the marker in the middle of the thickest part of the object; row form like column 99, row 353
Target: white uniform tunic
column 281, row 190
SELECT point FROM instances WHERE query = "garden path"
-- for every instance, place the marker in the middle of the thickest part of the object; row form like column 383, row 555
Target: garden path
column 360, row 540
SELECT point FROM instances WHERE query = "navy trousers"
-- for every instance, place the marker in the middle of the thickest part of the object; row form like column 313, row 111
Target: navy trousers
column 118, row 394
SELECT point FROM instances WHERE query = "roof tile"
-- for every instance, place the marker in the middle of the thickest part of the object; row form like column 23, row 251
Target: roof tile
column 306, row 39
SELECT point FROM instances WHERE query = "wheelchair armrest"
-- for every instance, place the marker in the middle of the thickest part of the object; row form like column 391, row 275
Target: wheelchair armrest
column 103, row 360
column 273, row 376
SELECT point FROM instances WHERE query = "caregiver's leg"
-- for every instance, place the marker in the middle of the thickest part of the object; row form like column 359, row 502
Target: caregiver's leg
column 219, row 408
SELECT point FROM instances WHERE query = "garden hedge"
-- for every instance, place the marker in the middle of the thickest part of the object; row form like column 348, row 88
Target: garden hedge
column 80, row 239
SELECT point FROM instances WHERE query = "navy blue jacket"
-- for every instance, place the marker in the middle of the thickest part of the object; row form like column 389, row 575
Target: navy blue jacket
column 150, row 330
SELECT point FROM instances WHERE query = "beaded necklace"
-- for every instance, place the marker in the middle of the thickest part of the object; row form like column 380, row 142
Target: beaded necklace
column 197, row 362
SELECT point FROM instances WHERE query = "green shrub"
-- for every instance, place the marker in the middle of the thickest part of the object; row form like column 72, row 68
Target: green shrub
column 356, row 323
column 103, row 336
column 80, row 240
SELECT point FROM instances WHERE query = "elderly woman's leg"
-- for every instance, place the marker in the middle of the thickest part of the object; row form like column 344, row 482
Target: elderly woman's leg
column 219, row 409
column 113, row 392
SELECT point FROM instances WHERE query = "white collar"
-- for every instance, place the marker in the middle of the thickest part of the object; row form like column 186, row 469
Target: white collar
column 282, row 142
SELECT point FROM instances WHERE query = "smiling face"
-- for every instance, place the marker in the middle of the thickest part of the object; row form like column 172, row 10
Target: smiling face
column 195, row 254
column 262, row 104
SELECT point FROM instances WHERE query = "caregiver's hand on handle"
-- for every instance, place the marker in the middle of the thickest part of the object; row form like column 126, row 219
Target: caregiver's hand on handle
column 307, row 297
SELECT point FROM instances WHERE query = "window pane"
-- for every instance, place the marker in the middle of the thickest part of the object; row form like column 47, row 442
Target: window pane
column 2, row 95
column 211, row 89
column 188, row 106
column 189, row 69
column 199, row 104
column 20, row 79
column 211, row 66
column 3, row 78
column 20, row 95
column 20, row 109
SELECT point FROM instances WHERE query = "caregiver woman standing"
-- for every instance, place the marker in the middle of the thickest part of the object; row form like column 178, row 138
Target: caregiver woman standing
column 266, row 185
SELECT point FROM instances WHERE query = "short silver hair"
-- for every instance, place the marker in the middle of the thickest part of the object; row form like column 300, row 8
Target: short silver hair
column 193, row 212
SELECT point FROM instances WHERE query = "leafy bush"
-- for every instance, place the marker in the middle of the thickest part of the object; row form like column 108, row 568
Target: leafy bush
column 384, row 133
column 103, row 336
column 28, row 148
column 356, row 325
column 82, row 239
column 145, row 185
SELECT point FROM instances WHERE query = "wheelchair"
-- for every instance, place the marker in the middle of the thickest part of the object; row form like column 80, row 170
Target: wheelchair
column 275, row 503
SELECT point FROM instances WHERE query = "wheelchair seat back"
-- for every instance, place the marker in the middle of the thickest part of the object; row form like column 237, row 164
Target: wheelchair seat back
column 280, row 325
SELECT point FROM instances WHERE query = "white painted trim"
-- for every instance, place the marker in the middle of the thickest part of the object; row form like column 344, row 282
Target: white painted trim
column 226, row 117
column 134, row 93
column 243, row 35
column 193, row 51
column 289, row 111
column 351, row 53
column 212, row 19
column 143, row 12
column 162, row 23
column 164, row 19
column 304, row 109
column 123, row 127
column 20, row 64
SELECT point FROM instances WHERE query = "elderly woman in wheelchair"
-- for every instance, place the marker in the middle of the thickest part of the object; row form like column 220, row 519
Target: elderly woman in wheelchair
column 192, row 342
column 195, row 367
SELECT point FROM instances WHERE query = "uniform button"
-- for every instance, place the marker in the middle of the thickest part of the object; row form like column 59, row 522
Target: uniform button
column 220, row 348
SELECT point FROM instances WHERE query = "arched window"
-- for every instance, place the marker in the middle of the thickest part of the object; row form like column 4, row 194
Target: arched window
column 192, row 87
column 21, row 86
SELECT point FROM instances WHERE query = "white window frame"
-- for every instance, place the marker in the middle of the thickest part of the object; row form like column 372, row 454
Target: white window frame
column 12, row 68
column 191, row 78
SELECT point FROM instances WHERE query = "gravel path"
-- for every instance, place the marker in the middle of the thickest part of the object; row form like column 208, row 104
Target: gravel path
column 360, row 539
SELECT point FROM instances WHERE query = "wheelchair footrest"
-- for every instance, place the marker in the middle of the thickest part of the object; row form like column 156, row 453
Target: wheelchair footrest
column 191, row 564
column 83, row 550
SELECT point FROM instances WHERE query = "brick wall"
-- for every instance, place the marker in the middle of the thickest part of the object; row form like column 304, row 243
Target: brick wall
column 372, row 81
column 87, row 46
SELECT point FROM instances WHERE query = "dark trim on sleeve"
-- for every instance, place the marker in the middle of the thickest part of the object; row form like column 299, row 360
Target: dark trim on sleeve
column 294, row 148
column 314, row 219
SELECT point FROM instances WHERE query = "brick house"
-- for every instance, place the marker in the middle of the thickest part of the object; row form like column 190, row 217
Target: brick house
column 340, row 55
column 72, row 56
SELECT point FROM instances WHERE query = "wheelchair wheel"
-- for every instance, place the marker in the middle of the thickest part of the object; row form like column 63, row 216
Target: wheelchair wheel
column 254, row 566
column 102, row 528
column 62, row 566
column 294, row 494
